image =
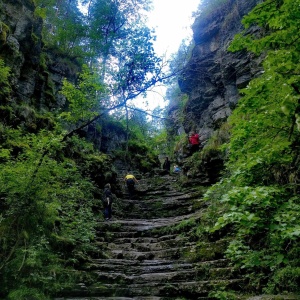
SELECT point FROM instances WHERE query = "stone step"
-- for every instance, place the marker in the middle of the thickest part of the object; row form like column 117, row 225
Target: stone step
column 146, row 278
column 164, row 274
column 146, row 272
column 116, row 298
column 161, row 194
column 188, row 290
column 134, row 298
column 142, row 246
column 136, row 267
column 129, row 265
column 151, row 244
column 141, row 241
column 145, row 224
column 145, row 259
column 245, row 297
column 172, row 253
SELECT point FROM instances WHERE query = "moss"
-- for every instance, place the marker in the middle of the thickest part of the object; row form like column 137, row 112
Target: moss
column 43, row 61
column 4, row 81
column 214, row 145
column 98, row 167
column 50, row 89
column 35, row 38
column 50, row 96
column 287, row 278
column 45, row 121
column 4, row 31
column 205, row 251
column 6, row 113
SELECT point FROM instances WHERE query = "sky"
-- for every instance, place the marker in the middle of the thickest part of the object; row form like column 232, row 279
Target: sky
column 172, row 20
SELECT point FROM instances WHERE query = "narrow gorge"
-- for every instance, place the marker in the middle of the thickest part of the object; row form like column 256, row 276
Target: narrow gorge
column 226, row 227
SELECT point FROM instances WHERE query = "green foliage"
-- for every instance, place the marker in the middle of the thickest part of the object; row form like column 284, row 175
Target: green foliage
column 160, row 141
column 178, row 101
column 223, row 295
column 141, row 156
column 180, row 142
column 63, row 26
column 4, row 79
column 49, row 184
column 84, row 98
column 4, row 30
column 27, row 293
column 46, row 213
column 257, row 200
column 285, row 279
column 110, row 32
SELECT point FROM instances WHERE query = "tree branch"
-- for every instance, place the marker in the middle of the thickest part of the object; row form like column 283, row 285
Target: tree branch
column 146, row 113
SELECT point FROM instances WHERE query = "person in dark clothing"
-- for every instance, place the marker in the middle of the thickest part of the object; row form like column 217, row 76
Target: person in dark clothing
column 107, row 201
column 167, row 165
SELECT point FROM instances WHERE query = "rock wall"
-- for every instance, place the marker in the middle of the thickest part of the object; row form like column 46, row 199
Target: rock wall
column 36, row 72
column 213, row 75
column 21, row 45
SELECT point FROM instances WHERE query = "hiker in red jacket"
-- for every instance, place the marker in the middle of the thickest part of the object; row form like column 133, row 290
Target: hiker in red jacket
column 194, row 142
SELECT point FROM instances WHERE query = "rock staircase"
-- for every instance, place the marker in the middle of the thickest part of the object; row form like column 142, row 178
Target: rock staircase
column 146, row 252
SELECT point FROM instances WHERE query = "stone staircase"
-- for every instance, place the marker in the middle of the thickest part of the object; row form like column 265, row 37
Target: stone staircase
column 146, row 252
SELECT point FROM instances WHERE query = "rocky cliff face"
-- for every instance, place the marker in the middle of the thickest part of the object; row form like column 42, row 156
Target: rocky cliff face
column 21, row 46
column 212, row 79
column 213, row 75
column 37, row 72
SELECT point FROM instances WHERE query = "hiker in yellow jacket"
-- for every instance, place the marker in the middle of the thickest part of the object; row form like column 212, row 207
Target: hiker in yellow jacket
column 130, row 181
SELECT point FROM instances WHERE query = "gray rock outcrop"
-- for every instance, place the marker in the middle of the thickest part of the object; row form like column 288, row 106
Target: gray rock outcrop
column 213, row 75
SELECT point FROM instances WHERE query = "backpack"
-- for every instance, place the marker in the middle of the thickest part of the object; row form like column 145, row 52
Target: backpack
column 107, row 197
column 130, row 182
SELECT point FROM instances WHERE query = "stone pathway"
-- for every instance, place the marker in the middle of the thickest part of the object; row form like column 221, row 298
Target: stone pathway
column 142, row 259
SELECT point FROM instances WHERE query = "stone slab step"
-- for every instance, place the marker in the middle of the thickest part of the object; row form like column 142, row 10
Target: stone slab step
column 144, row 225
column 166, row 275
column 258, row 297
column 115, row 263
column 132, row 298
column 144, row 245
column 113, row 298
column 131, row 271
column 146, row 278
column 172, row 253
column 188, row 290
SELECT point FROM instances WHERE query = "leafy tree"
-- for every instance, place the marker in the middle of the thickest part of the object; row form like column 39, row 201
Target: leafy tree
column 85, row 98
column 111, row 22
column 64, row 27
column 46, row 210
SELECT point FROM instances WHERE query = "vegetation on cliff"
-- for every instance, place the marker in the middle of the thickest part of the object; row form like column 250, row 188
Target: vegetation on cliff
column 257, row 199
column 51, row 178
